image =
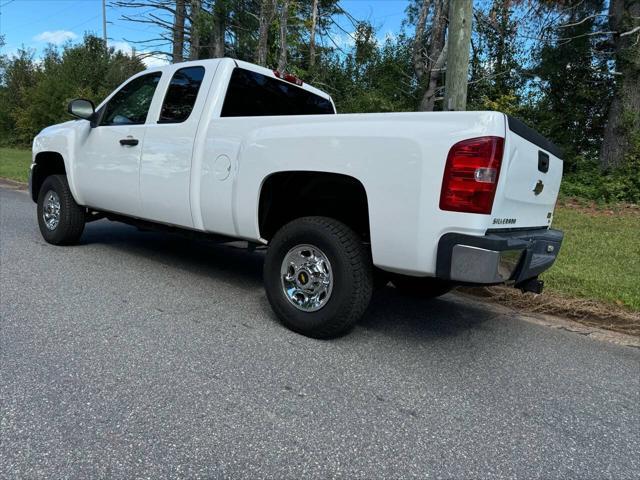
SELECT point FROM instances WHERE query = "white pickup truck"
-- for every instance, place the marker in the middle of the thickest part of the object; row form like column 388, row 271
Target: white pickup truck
column 235, row 151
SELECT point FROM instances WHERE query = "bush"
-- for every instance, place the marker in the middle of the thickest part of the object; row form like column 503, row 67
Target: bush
column 34, row 94
column 590, row 182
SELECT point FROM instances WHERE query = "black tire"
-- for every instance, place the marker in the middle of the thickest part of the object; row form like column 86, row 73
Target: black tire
column 352, row 275
column 71, row 217
column 421, row 287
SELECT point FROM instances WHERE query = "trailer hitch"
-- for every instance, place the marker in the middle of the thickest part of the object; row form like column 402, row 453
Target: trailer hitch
column 533, row 285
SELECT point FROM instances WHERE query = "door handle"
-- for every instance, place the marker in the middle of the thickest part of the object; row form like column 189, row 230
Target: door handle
column 129, row 141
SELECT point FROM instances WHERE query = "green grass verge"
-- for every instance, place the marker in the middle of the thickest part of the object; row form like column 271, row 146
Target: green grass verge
column 599, row 259
column 14, row 163
column 600, row 255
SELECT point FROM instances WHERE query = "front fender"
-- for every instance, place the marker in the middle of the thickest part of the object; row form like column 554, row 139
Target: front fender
column 60, row 139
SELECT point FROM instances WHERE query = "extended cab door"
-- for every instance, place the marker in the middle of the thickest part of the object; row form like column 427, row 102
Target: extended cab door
column 165, row 170
column 108, row 158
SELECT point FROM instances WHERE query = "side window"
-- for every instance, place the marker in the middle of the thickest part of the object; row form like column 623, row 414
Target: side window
column 181, row 95
column 130, row 105
column 252, row 94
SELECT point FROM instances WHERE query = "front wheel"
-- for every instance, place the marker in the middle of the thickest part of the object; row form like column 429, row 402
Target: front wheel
column 318, row 276
column 60, row 218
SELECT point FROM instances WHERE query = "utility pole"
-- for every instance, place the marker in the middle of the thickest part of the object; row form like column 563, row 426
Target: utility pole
column 459, row 42
column 104, row 22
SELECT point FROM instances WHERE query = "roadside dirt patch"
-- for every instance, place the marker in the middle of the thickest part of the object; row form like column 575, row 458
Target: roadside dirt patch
column 594, row 209
column 12, row 184
column 584, row 311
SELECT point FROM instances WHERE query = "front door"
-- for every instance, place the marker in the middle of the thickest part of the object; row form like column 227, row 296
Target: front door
column 108, row 160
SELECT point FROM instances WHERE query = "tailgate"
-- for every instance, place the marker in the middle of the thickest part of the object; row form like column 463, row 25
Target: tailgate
column 529, row 179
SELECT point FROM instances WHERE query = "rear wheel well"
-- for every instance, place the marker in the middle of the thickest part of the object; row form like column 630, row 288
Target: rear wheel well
column 286, row 196
column 46, row 164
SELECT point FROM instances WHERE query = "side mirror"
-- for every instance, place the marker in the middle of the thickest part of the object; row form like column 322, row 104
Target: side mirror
column 82, row 108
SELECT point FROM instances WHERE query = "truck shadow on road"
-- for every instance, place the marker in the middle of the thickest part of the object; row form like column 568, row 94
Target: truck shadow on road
column 390, row 313
column 400, row 315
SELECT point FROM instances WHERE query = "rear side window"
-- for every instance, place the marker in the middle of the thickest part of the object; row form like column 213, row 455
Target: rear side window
column 252, row 94
column 181, row 95
column 130, row 105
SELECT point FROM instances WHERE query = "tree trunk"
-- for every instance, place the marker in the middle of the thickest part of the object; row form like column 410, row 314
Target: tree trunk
column 429, row 98
column 267, row 8
column 178, row 33
column 418, row 41
column 433, row 65
column 284, row 17
column 623, row 121
column 459, row 42
column 194, row 37
column 312, row 34
column 219, row 28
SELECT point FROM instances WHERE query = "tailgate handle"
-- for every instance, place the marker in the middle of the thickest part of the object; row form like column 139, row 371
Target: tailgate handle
column 543, row 161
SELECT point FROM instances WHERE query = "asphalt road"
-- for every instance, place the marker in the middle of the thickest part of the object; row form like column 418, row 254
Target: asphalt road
column 145, row 355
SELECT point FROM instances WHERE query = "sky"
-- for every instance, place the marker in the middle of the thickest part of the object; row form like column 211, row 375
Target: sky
column 36, row 23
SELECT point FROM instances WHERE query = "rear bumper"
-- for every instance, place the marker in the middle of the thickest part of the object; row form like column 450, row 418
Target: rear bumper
column 497, row 257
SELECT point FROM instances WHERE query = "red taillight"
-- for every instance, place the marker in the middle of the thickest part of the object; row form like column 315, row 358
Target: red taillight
column 287, row 77
column 471, row 175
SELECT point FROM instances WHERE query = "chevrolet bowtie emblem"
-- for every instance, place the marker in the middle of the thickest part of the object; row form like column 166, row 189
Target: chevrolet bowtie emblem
column 538, row 188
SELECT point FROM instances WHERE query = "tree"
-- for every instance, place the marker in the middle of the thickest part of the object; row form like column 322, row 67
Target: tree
column 621, row 142
column 267, row 11
column 312, row 33
column 195, row 17
column 36, row 94
column 218, row 18
column 429, row 47
column 163, row 14
column 178, row 32
column 497, row 63
column 19, row 75
column 284, row 19
column 574, row 84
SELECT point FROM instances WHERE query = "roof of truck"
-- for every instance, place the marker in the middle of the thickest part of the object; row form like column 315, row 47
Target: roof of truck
column 239, row 63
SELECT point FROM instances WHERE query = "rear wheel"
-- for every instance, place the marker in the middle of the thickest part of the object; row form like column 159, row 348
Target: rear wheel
column 60, row 218
column 421, row 287
column 318, row 276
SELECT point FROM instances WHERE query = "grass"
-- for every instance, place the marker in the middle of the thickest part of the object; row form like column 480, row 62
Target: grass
column 14, row 163
column 599, row 259
column 600, row 255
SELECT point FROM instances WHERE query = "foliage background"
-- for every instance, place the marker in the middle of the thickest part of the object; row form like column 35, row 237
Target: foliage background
column 546, row 62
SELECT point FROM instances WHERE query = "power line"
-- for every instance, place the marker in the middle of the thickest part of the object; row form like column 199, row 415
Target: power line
column 1, row 6
column 59, row 12
column 85, row 21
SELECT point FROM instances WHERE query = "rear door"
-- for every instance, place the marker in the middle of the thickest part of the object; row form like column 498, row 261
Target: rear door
column 165, row 168
column 529, row 180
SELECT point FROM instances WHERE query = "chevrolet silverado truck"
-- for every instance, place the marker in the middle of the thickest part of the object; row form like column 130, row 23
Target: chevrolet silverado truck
column 233, row 151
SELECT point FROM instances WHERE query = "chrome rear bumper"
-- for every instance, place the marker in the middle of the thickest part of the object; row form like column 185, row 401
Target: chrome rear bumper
column 497, row 257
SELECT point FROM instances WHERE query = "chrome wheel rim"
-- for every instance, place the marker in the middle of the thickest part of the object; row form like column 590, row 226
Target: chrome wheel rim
column 307, row 279
column 51, row 210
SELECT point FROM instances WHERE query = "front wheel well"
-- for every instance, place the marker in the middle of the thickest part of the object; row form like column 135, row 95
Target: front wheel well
column 286, row 196
column 45, row 165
